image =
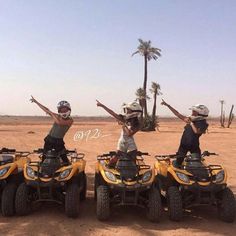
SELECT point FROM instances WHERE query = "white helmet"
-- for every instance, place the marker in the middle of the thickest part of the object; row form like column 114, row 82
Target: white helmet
column 134, row 107
column 62, row 104
column 202, row 110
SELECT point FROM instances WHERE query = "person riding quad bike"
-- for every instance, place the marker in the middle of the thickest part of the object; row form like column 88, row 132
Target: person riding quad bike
column 196, row 125
column 11, row 175
column 62, row 123
column 194, row 183
column 129, row 182
column 130, row 126
column 52, row 180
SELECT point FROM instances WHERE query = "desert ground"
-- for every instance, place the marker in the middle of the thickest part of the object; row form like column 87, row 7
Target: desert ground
column 95, row 136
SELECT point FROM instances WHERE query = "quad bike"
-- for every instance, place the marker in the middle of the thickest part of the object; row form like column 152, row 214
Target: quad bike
column 11, row 175
column 129, row 182
column 194, row 183
column 51, row 180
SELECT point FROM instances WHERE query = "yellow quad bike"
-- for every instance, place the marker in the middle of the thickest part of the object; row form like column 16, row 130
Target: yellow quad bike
column 11, row 175
column 130, row 182
column 51, row 180
column 194, row 183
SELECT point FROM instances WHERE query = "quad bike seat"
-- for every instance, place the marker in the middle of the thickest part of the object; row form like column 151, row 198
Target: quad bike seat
column 6, row 158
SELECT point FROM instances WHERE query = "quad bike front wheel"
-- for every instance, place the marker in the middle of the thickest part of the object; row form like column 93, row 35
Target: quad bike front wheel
column 72, row 200
column 154, row 205
column 84, row 189
column 8, row 199
column 22, row 203
column 103, row 202
column 175, row 204
column 226, row 205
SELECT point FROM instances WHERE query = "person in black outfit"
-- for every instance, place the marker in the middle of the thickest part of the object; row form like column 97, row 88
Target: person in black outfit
column 196, row 125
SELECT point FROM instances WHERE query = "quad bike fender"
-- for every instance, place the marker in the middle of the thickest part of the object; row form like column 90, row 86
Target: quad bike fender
column 76, row 169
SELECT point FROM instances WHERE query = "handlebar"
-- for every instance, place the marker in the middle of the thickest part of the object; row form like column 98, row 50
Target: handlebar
column 173, row 156
column 39, row 151
column 166, row 156
column 142, row 153
column 67, row 152
column 14, row 151
column 7, row 150
column 113, row 153
column 206, row 154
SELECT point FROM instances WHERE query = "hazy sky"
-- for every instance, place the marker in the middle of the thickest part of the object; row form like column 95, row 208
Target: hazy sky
column 81, row 50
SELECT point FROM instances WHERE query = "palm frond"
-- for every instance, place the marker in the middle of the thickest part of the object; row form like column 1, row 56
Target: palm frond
column 135, row 53
column 156, row 88
column 145, row 49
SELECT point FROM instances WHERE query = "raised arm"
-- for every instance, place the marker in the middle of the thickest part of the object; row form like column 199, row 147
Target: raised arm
column 55, row 116
column 112, row 113
column 175, row 112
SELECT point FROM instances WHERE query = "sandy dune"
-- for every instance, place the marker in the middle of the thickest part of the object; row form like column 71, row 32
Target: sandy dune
column 49, row 219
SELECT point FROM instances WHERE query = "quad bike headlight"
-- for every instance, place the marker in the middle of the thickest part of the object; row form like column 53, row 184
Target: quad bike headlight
column 30, row 172
column 64, row 174
column 3, row 171
column 220, row 176
column 110, row 176
column 147, row 176
column 183, row 177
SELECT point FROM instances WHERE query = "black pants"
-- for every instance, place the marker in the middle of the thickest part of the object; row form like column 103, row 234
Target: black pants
column 54, row 143
column 184, row 149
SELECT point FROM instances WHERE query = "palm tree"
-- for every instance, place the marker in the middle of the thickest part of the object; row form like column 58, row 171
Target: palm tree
column 155, row 89
column 222, row 114
column 140, row 96
column 148, row 52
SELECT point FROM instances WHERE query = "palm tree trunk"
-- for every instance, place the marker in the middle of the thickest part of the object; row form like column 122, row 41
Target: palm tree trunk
column 154, row 107
column 141, row 104
column 231, row 116
column 145, row 86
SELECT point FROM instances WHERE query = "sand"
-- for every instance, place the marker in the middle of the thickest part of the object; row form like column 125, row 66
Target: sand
column 94, row 137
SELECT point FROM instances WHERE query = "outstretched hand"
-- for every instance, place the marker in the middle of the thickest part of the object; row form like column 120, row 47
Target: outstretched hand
column 99, row 104
column 164, row 103
column 33, row 100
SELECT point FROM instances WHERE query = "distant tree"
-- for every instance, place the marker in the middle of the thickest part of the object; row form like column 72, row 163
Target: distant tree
column 222, row 114
column 146, row 50
column 231, row 116
column 155, row 90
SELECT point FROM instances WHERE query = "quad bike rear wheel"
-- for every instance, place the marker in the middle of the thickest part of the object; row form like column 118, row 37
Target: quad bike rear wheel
column 154, row 205
column 103, row 202
column 72, row 200
column 8, row 199
column 22, row 203
column 227, row 206
column 175, row 204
